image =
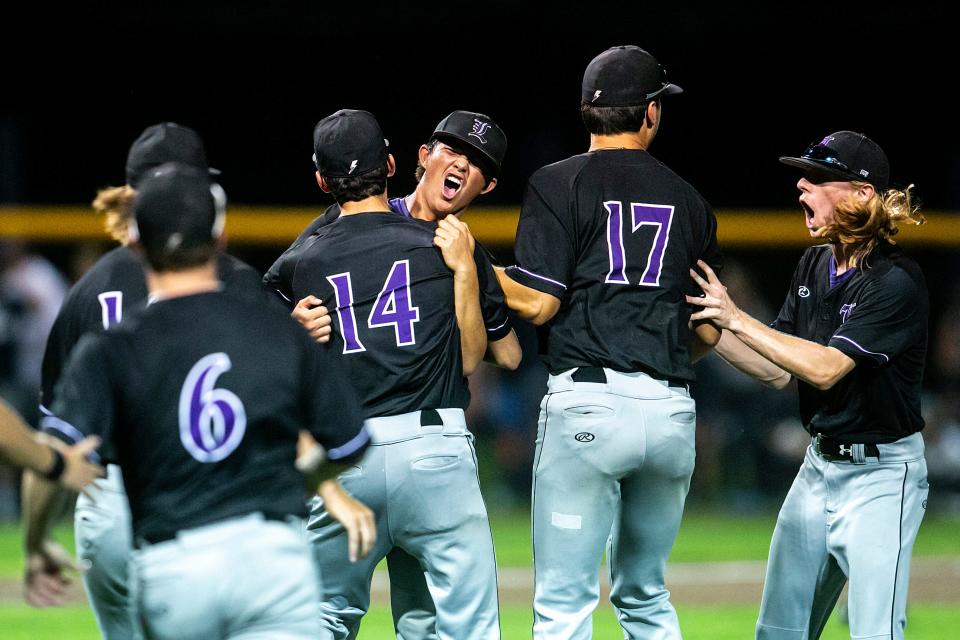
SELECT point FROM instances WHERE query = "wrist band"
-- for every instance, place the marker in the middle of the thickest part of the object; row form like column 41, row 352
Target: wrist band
column 59, row 465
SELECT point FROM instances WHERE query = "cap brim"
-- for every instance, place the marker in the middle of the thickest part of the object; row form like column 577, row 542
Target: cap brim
column 672, row 90
column 493, row 166
column 825, row 167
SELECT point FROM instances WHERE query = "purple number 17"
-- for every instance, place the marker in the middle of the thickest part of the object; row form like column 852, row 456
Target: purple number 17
column 393, row 307
column 657, row 215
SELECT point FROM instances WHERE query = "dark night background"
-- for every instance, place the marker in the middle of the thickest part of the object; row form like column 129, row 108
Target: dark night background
column 761, row 80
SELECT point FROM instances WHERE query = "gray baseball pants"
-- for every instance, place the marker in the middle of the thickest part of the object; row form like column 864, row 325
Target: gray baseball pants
column 613, row 466
column 421, row 482
column 844, row 521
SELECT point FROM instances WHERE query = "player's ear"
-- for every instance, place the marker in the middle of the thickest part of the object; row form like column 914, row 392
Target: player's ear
column 865, row 191
column 490, row 186
column 391, row 165
column 652, row 114
column 322, row 183
column 423, row 154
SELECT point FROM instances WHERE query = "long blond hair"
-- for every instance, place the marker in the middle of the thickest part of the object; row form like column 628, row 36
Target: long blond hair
column 115, row 203
column 860, row 225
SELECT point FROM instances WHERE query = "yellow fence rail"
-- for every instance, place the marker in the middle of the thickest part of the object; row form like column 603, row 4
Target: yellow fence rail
column 277, row 226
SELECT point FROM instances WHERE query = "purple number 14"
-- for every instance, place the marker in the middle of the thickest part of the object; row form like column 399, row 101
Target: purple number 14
column 657, row 215
column 393, row 307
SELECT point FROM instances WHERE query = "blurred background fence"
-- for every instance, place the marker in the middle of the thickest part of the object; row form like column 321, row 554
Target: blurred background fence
column 749, row 441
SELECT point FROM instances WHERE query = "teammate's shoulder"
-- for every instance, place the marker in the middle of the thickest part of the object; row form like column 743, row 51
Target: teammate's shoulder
column 890, row 267
column 120, row 269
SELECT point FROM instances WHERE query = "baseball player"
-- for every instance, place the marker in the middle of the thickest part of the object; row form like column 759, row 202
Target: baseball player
column 112, row 288
column 459, row 163
column 853, row 331
column 204, row 424
column 604, row 246
column 409, row 328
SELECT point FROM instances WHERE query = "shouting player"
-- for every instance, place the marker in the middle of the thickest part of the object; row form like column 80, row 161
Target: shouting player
column 203, row 418
column 111, row 288
column 409, row 328
column 604, row 246
column 459, row 163
column 853, row 331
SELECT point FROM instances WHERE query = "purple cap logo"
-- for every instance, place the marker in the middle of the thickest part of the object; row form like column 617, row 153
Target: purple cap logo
column 480, row 129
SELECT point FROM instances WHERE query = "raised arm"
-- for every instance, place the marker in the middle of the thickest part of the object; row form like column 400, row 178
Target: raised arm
column 815, row 364
column 456, row 244
column 530, row 304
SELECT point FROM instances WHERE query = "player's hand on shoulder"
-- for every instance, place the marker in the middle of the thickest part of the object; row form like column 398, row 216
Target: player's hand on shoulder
column 456, row 243
column 355, row 517
column 78, row 470
column 44, row 582
column 314, row 317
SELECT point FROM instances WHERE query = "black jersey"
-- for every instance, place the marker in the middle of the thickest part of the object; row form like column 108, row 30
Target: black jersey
column 613, row 235
column 114, row 286
column 394, row 316
column 201, row 413
column 492, row 303
column 877, row 316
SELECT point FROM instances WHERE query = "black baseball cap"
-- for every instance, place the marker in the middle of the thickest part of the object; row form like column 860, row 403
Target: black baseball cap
column 162, row 143
column 178, row 207
column 348, row 143
column 479, row 132
column 624, row 76
column 847, row 155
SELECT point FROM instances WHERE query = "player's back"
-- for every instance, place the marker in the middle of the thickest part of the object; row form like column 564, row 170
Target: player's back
column 391, row 297
column 114, row 286
column 206, row 411
column 614, row 233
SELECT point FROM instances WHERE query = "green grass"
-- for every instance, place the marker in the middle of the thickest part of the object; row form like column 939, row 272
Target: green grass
column 703, row 537
column 19, row 622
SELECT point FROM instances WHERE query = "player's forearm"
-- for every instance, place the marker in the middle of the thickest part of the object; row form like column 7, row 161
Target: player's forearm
column 19, row 445
column 703, row 337
column 533, row 306
column 41, row 502
column 473, row 335
column 744, row 359
column 505, row 352
column 813, row 363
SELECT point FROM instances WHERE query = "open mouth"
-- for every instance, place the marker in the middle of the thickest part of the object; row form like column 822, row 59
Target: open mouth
column 451, row 186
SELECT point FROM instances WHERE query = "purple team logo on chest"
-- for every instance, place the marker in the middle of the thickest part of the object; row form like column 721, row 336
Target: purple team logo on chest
column 846, row 310
column 212, row 421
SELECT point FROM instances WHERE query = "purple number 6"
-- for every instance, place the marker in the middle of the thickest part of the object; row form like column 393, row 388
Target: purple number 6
column 658, row 215
column 212, row 421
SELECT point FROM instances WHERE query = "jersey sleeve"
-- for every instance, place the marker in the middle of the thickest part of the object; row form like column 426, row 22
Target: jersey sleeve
column 710, row 251
column 888, row 319
column 278, row 279
column 492, row 302
column 333, row 410
column 55, row 355
column 85, row 398
column 544, row 248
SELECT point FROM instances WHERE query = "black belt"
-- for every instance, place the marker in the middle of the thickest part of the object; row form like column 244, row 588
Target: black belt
column 166, row 536
column 598, row 375
column 830, row 449
column 430, row 418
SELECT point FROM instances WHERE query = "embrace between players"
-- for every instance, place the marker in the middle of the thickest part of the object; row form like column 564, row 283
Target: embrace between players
column 205, row 391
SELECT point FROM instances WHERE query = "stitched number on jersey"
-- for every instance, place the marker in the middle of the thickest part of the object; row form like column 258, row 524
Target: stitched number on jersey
column 393, row 305
column 111, row 307
column 659, row 216
column 392, row 308
column 212, row 421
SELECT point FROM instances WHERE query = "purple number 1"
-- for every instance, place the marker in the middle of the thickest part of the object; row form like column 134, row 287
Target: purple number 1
column 393, row 307
column 657, row 215
column 111, row 308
